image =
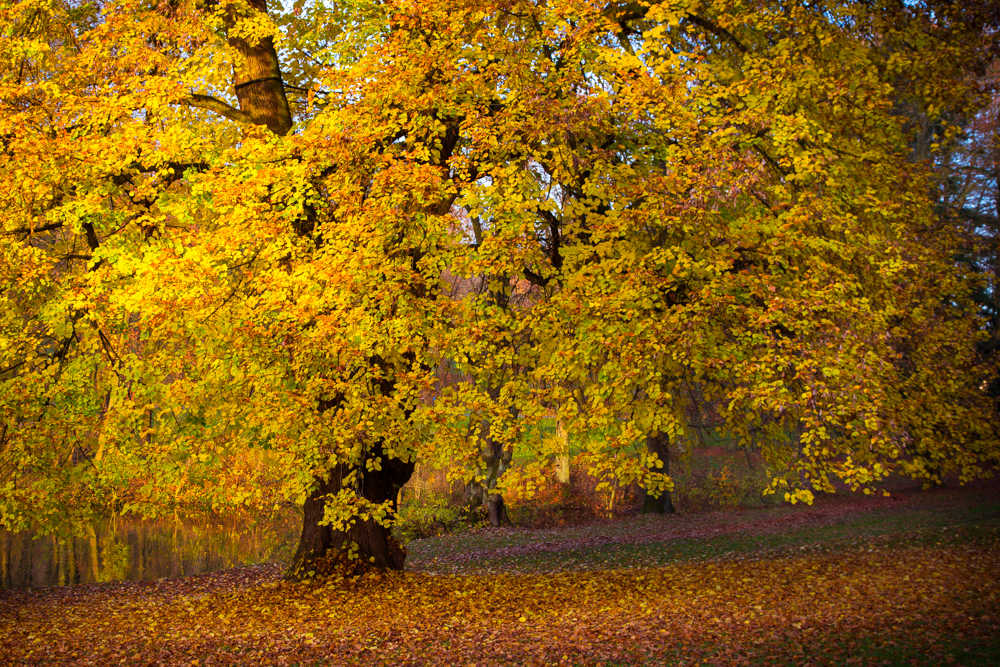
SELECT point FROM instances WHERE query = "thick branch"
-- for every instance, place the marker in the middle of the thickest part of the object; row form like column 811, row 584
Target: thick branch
column 621, row 14
column 210, row 103
column 535, row 279
column 37, row 230
column 92, row 239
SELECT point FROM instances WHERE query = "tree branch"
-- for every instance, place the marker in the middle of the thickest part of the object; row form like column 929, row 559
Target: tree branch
column 535, row 279
column 216, row 105
column 37, row 230
column 718, row 31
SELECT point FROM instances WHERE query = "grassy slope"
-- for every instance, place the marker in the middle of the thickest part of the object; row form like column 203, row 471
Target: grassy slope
column 913, row 579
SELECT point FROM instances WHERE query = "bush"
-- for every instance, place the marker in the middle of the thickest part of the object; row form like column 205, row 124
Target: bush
column 431, row 516
column 710, row 478
column 720, row 481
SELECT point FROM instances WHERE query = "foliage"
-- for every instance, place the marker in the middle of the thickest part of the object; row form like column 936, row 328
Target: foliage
column 232, row 233
column 430, row 517
column 723, row 481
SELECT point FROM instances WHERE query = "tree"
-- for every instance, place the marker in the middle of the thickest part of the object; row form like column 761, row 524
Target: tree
column 227, row 238
column 775, row 249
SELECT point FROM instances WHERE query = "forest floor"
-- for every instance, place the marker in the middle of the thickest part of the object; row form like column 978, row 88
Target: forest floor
column 912, row 579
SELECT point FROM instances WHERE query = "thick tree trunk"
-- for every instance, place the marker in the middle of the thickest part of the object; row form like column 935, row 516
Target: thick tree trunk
column 261, row 93
column 659, row 444
column 6, row 577
column 478, row 496
column 257, row 81
column 375, row 544
column 497, row 510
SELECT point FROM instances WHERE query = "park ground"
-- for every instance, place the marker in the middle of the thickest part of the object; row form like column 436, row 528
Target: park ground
column 909, row 579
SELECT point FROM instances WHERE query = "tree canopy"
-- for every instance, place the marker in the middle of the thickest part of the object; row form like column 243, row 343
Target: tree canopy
column 239, row 240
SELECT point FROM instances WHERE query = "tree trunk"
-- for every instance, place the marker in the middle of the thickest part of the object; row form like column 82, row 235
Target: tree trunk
column 484, row 493
column 659, row 444
column 258, row 83
column 375, row 544
column 60, row 560
column 261, row 93
column 497, row 459
column 562, row 457
column 6, row 564
column 497, row 510
column 95, row 567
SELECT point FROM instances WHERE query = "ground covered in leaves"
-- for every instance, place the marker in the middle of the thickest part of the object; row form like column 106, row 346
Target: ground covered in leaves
column 911, row 580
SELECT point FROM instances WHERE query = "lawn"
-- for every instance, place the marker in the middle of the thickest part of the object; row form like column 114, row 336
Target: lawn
column 908, row 580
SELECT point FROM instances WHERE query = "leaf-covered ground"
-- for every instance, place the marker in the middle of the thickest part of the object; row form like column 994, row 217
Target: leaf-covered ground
column 909, row 580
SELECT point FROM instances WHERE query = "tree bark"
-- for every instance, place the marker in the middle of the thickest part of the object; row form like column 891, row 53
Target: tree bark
column 5, row 564
column 375, row 544
column 497, row 510
column 260, row 90
column 261, row 94
column 659, row 443
column 497, row 459
column 484, row 493
column 257, row 80
column 562, row 457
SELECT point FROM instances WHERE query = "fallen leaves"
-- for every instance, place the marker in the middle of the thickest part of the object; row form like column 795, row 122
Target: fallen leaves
column 812, row 604
column 918, row 582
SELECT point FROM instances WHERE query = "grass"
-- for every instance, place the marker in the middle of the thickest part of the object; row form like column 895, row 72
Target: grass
column 939, row 517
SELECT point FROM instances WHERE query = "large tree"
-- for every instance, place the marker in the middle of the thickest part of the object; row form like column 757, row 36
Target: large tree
column 228, row 228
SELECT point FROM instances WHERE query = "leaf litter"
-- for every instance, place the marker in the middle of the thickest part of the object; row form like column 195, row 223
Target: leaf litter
column 914, row 581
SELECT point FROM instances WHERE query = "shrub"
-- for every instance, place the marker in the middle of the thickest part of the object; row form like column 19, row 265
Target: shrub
column 430, row 516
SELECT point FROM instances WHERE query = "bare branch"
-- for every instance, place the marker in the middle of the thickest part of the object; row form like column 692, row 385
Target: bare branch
column 37, row 230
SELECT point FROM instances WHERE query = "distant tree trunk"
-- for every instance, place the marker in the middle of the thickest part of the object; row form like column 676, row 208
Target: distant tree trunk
column 496, row 459
column 562, row 457
column 475, row 498
column 6, row 577
column 376, row 546
column 497, row 510
column 74, row 572
column 142, row 562
column 95, row 567
column 60, row 563
column 659, row 443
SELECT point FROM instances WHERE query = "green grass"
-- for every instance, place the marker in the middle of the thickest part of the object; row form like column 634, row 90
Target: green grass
column 649, row 541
